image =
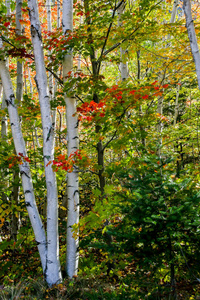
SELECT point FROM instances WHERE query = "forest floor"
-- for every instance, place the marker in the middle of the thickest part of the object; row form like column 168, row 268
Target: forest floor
column 107, row 288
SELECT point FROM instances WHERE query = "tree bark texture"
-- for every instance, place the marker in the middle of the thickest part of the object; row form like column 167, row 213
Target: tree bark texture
column 72, row 255
column 192, row 37
column 52, row 272
column 24, row 167
column 123, row 64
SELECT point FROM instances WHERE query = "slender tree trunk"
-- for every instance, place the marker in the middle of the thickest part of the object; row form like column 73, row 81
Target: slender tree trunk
column 19, row 89
column 79, row 55
column 174, row 11
column 58, row 14
column 123, row 66
column 192, row 37
column 4, row 122
column 15, row 202
column 160, row 99
column 7, row 2
column 1, row 90
column 30, row 83
column 52, row 272
column 51, row 91
column 95, row 71
column 24, row 167
column 19, row 95
column 72, row 255
column 142, row 129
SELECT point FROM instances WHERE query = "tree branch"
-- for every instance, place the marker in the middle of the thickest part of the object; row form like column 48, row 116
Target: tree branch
column 120, row 118
column 48, row 69
column 127, row 38
column 108, row 32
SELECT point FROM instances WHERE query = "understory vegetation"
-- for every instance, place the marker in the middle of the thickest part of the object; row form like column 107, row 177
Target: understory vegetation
column 134, row 90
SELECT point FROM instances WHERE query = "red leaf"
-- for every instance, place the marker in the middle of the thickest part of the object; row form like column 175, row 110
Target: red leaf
column 27, row 159
column 80, row 13
column 165, row 86
column 154, row 82
column 49, row 163
column 132, row 92
column 6, row 24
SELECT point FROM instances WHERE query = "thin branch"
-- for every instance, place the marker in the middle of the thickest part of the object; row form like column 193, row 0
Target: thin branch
column 79, row 98
column 127, row 38
column 120, row 118
column 108, row 32
column 55, row 76
column 48, row 69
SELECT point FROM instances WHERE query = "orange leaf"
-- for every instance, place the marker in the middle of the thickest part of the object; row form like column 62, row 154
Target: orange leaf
column 49, row 163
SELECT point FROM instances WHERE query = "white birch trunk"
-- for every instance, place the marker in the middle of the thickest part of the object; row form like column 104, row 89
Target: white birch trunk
column 52, row 91
column 58, row 14
column 7, row 3
column 19, row 143
column 72, row 255
column 1, row 90
column 123, row 66
column 48, row 4
column 79, row 56
column 192, row 37
column 4, row 122
column 19, row 93
column 19, row 89
column 52, row 272
column 174, row 11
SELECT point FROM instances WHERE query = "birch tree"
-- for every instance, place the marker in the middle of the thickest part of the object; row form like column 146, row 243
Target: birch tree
column 123, row 66
column 4, row 123
column 24, row 167
column 19, row 95
column 48, row 248
column 52, row 272
column 72, row 255
column 192, row 37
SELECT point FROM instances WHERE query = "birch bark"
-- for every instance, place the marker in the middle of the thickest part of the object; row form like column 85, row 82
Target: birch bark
column 174, row 11
column 72, row 255
column 19, row 94
column 4, row 122
column 19, row 89
column 123, row 64
column 192, row 37
column 24, row 168
column 48, row 4
column 52, row 271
